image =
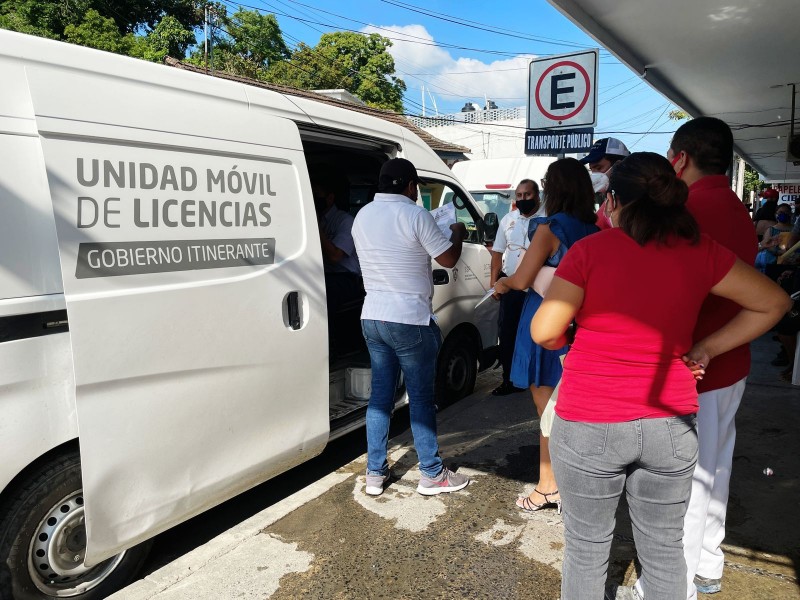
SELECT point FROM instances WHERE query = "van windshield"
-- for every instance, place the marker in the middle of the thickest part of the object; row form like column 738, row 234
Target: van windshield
column 496, row 202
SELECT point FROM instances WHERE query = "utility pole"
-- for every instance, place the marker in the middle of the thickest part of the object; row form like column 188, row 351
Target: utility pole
column 205, row 36
column 209, row 14
column 738, row 178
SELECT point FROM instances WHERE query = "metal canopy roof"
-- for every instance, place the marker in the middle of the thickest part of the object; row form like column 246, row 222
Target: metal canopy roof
column 731, row 59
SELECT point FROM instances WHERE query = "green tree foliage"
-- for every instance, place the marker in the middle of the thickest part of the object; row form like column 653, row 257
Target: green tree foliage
column 254, row 37
column 751, row 182
column 42, row 18
column 245, row 43
column 678, row 115
column 132, row 15
column 168, row 38
column 97, row 31
column 50, row 18
column 361, row 64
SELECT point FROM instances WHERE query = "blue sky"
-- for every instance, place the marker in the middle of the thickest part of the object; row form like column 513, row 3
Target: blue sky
column 456, row 63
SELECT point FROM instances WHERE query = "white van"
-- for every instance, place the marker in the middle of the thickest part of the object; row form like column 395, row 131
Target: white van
column 163, row 328
column 493, row 181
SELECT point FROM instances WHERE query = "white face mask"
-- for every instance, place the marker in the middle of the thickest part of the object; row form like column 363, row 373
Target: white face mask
column 599, row 182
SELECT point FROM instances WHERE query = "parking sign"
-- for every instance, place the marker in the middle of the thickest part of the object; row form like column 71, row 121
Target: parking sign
column 562, row 91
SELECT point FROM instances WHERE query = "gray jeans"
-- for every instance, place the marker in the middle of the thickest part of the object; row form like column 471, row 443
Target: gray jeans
column 652, row 460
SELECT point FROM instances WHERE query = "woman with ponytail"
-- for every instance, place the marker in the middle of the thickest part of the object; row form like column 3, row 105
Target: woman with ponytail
column 625, row 417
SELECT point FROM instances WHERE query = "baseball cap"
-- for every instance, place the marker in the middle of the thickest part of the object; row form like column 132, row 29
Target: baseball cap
column 398, row 171
column 770, row 193
column 605, row 146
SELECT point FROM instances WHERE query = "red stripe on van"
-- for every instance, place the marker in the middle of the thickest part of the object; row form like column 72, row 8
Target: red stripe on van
column 498, row 186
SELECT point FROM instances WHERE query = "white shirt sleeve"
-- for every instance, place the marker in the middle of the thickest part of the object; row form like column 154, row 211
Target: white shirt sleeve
column 500, row 241
column 342, row 235
column 429, row 235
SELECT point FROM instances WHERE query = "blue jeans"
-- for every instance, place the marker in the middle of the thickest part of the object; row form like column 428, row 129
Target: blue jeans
column 413, row 349
column 653, row 461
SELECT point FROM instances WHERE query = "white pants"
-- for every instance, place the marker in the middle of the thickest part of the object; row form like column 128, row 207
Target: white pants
column 704, row 524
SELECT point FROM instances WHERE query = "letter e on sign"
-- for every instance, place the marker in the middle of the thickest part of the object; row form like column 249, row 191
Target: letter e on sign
column 563, row 91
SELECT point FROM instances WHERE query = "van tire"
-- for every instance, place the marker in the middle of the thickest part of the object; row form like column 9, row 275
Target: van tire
column 49, row 499
column 457, row 367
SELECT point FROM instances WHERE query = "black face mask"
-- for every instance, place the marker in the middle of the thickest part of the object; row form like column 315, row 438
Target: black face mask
column 527, row 206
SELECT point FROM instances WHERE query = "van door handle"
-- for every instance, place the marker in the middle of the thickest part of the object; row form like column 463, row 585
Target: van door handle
column 440, row 277
column 293, row 309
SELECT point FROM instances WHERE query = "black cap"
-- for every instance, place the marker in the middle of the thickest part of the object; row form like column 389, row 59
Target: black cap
column 397, row 172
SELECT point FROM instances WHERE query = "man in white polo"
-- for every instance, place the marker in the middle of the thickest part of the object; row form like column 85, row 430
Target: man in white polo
column 395, row 240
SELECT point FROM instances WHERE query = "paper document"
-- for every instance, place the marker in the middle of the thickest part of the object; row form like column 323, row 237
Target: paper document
column 488, row 295
column 445, row 216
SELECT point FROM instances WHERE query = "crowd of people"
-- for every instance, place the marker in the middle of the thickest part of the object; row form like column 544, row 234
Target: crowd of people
column 630, row 325
column 641, row 408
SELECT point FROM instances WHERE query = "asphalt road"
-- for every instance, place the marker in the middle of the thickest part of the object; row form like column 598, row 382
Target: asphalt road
column 197, row 531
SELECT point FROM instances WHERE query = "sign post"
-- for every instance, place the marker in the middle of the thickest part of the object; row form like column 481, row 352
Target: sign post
column 562, row 96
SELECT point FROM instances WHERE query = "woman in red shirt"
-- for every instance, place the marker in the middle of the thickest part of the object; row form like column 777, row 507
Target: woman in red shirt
column 625, row 413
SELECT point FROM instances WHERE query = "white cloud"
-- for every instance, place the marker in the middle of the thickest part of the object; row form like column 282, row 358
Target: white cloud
column 454, row 81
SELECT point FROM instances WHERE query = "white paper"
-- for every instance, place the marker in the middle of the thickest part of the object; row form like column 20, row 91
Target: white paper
column 445, row 216
column 488, row 295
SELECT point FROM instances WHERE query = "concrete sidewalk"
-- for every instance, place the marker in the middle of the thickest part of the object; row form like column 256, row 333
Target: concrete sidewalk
column 330, row 540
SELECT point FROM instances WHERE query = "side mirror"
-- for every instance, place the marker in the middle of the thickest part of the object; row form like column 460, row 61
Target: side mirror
column 490, row 226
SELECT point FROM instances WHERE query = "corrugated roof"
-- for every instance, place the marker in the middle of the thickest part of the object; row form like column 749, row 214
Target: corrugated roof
column 436, row 144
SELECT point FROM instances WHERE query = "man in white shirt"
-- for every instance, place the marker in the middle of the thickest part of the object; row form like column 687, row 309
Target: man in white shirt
column 395, row 239
column 509, row 246
column 343, row 288
column 335, row 230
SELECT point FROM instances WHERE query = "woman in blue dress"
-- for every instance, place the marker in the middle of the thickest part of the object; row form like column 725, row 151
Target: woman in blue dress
column 569, row 204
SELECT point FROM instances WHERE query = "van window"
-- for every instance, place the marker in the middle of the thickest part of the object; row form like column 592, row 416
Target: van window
column 441, row 193
column 496, row 202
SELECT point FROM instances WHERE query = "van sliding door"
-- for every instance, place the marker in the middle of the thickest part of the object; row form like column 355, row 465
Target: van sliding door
column 195, row 295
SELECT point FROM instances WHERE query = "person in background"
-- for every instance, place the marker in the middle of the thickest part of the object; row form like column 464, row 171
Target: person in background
column 625, row 413
column 795, row 237
column 602, row 157
column 396, row 239
column 569, row 204
column 507, row 251
column 701, row 152
column 335, row 229
column 765, row 216
column 343, row 285
column 776, row 238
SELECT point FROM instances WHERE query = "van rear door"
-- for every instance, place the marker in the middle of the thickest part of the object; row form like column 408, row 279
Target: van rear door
column 194, row 292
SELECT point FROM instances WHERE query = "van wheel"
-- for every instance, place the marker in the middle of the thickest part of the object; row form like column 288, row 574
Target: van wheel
column 43, row 540
column 457, row 367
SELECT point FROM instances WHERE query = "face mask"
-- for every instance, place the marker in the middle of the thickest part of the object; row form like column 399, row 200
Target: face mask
column 782, row 217
column 599, row 182
column 603, row 216
column 674, row 161
column 526, row 206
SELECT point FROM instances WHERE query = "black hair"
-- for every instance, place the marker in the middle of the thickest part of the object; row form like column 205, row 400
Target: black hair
column 569, row 190
column 708, row 141
column 330, row 182
column 653, row 200
column 533, row 183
